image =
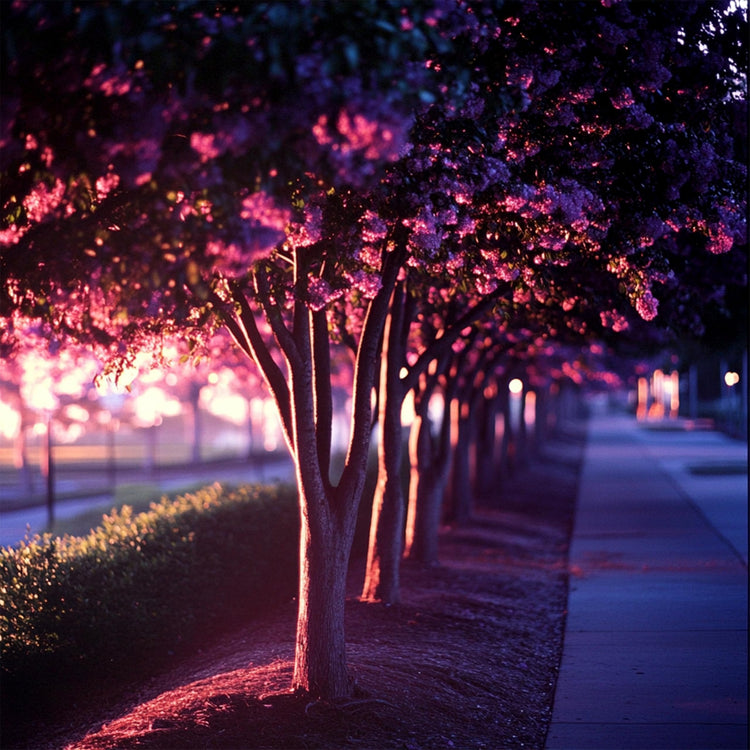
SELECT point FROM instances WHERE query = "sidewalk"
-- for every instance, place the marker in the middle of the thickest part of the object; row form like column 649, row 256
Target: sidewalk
column 655, row 654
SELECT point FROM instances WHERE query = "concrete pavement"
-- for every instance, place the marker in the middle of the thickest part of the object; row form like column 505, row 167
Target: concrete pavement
column 655, row 653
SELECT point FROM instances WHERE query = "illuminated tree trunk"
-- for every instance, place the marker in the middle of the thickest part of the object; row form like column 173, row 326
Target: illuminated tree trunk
column 396, row 379
column 320, row 665
column 328, row 513
column 541, row 426
column 462, row 418
column 430, row 467
column 507, row 447
column 387, row 521
column 522, row 443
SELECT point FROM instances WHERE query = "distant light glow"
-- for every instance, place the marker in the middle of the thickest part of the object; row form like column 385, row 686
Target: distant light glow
column 515, row 386
column 76, row 413
column 10, row 421
column 154, row 404
column 731, row 378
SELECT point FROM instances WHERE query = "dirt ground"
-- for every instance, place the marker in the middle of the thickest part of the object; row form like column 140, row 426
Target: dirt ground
column 469, row 659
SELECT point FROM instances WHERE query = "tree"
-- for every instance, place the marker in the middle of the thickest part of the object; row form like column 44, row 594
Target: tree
column 255, row 167
column 565, row 208
column 206, row 167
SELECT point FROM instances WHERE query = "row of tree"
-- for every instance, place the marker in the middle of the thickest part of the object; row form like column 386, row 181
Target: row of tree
column 436, row 193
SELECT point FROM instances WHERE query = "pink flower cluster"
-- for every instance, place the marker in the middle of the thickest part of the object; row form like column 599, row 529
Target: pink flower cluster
column 647, row 305
column 320, row 293
column 261, row 211
column 614, row 320
column 106, row 184
column 357, row 133
column 308, row 233
column 43, row 200
column 367, row 283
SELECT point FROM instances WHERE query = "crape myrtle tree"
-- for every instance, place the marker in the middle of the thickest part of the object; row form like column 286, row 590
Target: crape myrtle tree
column 606, row 189
column 271, row 168
column 173, row 168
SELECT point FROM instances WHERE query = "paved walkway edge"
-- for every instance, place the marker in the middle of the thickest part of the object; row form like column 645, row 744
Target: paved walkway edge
column 655, row 652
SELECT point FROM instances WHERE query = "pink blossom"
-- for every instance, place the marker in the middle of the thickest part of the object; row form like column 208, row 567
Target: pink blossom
column 466, row 226
column 260, row 209
column 304, row 235
column 580, row 96
column 114, row 82
column 614, row 320
column 105, row 184
column 426, row 233
column 647, row 305
column 320, row 293
column 42, row 200
column 521, row 77
column 623, row 99
column 719, row 240
column 485, row 285
column 11, row 235
column 552, row 241
column 369, row 255
column 374, row 228
column 367, row 283
column 205, row 145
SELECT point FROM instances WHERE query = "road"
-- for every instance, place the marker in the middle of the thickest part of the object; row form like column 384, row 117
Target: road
column 14, row 524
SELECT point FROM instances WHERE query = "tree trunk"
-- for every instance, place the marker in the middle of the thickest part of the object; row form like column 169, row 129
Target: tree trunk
column 21, row 460
column 197, row 426
column 327, row 514
column 430, row 467
column 541, row 426
column 320, row 667
column 461, row 416
column 522, row 442
column 507, row 463
column 486, row 448
column 387, row 522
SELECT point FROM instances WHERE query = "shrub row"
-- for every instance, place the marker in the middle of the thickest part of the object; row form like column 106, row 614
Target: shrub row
column 145, row 584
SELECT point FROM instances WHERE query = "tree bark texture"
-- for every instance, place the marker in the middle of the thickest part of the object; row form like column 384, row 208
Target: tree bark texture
column 430, row 467
column 387, row 522
column 320, row 666
column 462, row 417
column 328, row 514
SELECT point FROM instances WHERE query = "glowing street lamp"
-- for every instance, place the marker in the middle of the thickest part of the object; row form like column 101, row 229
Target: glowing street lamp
column 731, row 379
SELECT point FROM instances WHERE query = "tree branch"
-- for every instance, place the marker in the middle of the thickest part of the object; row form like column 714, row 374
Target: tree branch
column 281, row 333
column 364, row 372
column 440, row 345
column 323, row 404
column 244, row 330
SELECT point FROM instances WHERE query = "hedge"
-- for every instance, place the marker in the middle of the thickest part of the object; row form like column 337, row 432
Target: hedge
column 142, row 585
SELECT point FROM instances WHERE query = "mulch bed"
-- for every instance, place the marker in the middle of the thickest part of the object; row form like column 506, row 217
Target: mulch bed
column 469, row 659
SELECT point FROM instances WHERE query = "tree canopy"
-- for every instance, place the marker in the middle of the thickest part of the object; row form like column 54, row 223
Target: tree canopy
column 369, row 174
